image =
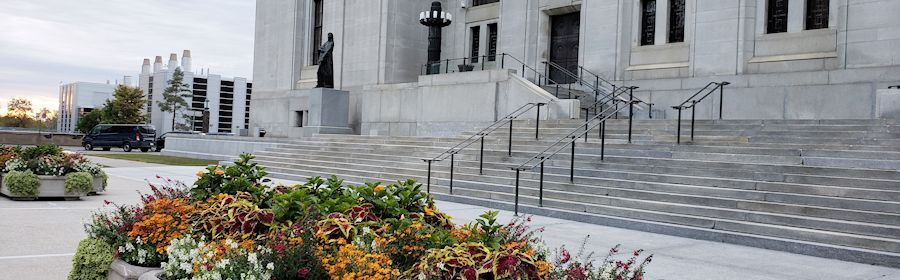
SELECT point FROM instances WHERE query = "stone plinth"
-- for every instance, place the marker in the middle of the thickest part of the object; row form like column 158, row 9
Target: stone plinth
column 888, row 103
column 326, row 112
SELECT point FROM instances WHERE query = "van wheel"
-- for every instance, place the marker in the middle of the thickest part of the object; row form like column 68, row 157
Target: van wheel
column 144, row 150
column 126, row 147
column 88, row 147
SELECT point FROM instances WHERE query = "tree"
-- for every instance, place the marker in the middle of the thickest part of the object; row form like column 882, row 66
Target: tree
column 45, row 118
column 20, row 109
column 89, row 121
column 128, row 106
column 173, row 96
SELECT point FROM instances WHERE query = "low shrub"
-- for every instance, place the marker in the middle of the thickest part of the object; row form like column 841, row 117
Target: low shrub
column 79, row 182
column 91, row 260
column 22, row 183
column 40, row 151
column 242, row 176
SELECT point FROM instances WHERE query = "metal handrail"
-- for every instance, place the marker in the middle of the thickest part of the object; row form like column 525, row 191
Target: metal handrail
column 451, row 153
column 569, row 140
column 597, row 77
column 595, row 88
column 482, row 59
column 694, row 101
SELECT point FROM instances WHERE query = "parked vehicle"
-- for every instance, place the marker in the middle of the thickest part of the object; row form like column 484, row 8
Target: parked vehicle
column 161, row 140
column 125, row 136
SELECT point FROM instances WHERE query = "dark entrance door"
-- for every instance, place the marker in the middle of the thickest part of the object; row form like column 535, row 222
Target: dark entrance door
column 564, row 46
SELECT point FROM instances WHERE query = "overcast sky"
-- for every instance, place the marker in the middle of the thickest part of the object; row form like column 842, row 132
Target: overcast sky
column 47, row 42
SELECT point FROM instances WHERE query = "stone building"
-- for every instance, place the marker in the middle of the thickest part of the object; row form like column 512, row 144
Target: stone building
column 79, row 98
column 226, row 99
column 784, row 59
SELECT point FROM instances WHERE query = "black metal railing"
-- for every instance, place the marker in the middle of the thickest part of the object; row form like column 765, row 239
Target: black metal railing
column 693, row 100
column 568, row 140
column 479, row 136
column 463, row 64
column 600, row 86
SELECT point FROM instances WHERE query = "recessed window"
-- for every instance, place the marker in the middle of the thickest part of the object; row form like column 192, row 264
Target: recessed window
column 483, row 2
column 816, row 14
column 302, row 118
column 476, row 43
column 776, row 16
column 492, row 42
column 676, row 21
column 648, row 22
column 317, row 30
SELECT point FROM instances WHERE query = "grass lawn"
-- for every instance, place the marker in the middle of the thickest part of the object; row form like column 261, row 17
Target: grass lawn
column 158, row 159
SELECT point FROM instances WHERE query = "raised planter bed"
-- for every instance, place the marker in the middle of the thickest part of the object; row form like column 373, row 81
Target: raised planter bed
column 51, row 186
column 152, row 275
column 121, row 270
column 98, row 186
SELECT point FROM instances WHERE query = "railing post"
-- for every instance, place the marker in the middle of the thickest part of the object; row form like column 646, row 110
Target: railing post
column 721, row 97
column 693, row 114
column 452, row 159
column 587, row 113
column 616, row 112
column 650, row 110
column 603, row 140
column 572, row 162
column 448, row 67
column 517, row 192
column 541, row 185
column 630, row 112
column 523, row 72
column 481, row 158
column 483, row 60
column 557, row 90
column 537, row 123
column 503, row 61
column 509, row 153
column 428, row 188
column 678, row 131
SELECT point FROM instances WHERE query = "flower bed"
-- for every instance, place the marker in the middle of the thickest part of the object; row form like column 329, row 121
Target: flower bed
column 47, row 171
column 231, row 224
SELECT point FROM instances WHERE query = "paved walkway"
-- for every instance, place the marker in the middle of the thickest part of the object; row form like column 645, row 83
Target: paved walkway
column 38, row 239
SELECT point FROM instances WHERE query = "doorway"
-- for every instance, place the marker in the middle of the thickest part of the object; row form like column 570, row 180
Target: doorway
column 564, row 32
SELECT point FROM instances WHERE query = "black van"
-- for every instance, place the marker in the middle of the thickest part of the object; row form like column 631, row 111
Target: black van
column 125, row 136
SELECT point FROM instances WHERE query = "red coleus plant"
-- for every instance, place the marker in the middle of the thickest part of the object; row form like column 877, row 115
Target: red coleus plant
column 233, row 217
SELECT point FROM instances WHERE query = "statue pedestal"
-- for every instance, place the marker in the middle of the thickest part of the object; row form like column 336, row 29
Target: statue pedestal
column 326, row 111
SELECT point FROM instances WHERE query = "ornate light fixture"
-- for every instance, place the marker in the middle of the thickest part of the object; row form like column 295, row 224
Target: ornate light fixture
column 435, row 19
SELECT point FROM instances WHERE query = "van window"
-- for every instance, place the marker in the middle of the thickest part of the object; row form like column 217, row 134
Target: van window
column 122, row 129
column 148, row 130
column 96, row 130
column 105, row 129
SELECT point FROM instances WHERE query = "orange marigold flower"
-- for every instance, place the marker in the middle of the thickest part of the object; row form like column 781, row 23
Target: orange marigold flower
column 219, row 171
column 200, row 173
column 379, row 188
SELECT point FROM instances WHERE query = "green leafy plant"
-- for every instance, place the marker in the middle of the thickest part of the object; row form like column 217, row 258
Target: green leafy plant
column 91, row 260
column 39, row 151
column 323, row 196
column 233, row 217
column 395, row 200
column 79, row 182
column 242, row 176
column 22, row 183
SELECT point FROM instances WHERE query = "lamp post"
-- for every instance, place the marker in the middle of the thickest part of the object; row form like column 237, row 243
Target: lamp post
column 435, row 19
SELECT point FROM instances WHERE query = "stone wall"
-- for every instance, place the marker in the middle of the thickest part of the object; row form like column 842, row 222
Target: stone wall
column 35, row 138
column 442, row 105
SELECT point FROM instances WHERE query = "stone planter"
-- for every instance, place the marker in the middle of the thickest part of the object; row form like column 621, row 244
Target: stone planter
column 51, row 186
column 98, row 185
column 120, row 270
column 152, row 275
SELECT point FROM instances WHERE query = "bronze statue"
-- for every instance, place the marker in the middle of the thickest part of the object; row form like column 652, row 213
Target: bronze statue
column 326, row 64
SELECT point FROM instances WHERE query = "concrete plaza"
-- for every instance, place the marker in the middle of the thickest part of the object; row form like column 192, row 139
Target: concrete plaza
column 40, row 237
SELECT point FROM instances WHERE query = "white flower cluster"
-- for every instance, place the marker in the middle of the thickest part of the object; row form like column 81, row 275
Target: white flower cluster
column 89, row 167
column 135, row 252
column 186, row 253
column 15, row 165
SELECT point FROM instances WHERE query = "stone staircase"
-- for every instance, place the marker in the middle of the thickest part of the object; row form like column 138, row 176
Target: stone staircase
column 827, row 188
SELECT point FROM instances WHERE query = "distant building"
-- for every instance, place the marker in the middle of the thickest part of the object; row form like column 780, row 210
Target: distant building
column 228, row 98
column 79, row 98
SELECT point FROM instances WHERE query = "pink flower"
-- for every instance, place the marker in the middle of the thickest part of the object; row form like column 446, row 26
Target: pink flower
column 303, row 272
column 564, row 256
